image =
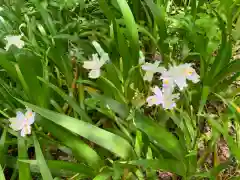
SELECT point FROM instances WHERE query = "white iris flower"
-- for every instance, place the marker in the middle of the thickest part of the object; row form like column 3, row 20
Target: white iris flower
column 95, row 64
column 151, row 69
column 157, row 98
column 178, row 75
column 165, row 98
column 23, row 122
column 14, row 40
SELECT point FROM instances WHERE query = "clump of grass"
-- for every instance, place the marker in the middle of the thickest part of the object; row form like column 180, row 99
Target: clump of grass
column 121, row 89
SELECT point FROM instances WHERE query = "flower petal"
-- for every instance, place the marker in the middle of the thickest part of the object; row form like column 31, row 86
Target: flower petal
column 30, row 116
column 26, row 130
column 98, row 48
column 181, row 82
column 157, row 92
column 194, row 77
column 20, row 116
column 16, row 125
column 14, row 40
column 168, row 84
column 148, row 76
column 169, row 105
column 151, row 100
column 90, row 64
column 95, row 73
column 151, row 67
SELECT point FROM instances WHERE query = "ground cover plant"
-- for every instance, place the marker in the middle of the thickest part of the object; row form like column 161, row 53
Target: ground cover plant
column 119, row 89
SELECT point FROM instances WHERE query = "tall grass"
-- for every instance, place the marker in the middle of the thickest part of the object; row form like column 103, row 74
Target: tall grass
column 103, row 128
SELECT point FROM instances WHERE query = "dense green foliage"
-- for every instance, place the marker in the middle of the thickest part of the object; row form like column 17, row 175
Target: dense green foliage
column 102, row 128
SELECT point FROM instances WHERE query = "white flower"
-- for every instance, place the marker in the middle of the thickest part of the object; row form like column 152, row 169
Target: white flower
column 151, row 69
column 157, row 98
column 178, row 75
column 14, row 40
column 169, row 97
column 165, row 98
column 100, row 51
column 23, row 122
column 141, row 57
column 95, row 64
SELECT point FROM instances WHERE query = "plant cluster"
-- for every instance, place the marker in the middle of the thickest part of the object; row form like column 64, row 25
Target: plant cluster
column 119, row 89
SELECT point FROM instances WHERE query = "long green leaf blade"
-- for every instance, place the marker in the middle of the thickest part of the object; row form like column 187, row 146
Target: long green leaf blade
column 24, row 170
column 69, row 99
column 2, row 177
column 68, row 167
column 45, row 172
column 164, row 139
column 131, row 28
column 2, row 143
column 103, row 138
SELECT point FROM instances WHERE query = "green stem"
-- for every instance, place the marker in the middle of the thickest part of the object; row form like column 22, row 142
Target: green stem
column 204, row 156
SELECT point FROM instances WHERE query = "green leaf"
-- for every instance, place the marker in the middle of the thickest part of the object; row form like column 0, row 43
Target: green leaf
column 131, row 29
column 214, row 172
column 8, row 65
column 158, row 13
column 111, row 87
column 163, row 139
column 204, row 97
column 58, row 168
column 31, row 67
column 2, row 144
column 103, row 138
column 123, row 51
column 2, row 177
column 58, row 56
column 222, row 59
column 138, row 143
column 46, row 17
column 80, row 149
column 103, row 175
column 69, row 99
column 121, row 109
column 236, row 31
column 106, row 10
column 231, row 68
column 45, row 172
column 69, row 168
column 24, row 170
column 172, row 165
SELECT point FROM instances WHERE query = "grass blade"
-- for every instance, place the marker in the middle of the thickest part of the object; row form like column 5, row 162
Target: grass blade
column 24, row 170
column 165, row 139
column 2, row 177
column 158, row 13
column 103, row 138
column 45, row 172
column 69, row 99
column 80, row 149
column 2, row 143
column 172, row 165
column 69, row 168
column 131, row 28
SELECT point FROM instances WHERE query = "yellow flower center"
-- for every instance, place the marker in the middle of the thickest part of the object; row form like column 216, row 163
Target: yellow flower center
column 29, row 115
column 238, row 109
column 189, row 72
column 166, row 81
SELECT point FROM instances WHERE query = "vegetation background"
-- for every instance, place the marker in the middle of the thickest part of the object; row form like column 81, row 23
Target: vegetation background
column 102, row 129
